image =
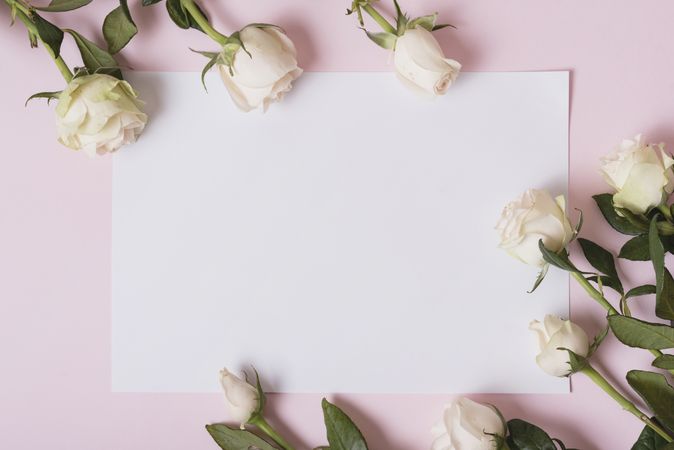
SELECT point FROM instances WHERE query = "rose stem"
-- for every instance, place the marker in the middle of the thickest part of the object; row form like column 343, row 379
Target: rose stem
column 263, row 425
column 627, row 405
column 23, row 14
column 199, row 18
column 386, row 26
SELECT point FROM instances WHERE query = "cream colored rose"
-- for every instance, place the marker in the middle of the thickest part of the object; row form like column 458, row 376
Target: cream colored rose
column 641, row 175
column 552, row 334
column 242, row 398
column 468, row 425
column 263, row 72
column 421, row 65
column 533, row 217
column 98, row 114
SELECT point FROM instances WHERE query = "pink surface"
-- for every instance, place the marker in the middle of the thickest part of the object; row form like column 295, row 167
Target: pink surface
column 55, row 218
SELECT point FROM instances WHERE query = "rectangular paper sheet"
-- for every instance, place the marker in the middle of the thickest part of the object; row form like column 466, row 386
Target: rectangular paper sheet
column 342, row 242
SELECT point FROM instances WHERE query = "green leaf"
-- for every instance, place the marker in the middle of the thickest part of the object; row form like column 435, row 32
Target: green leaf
column 48, row 95
column 260, row 394
column 636, row 249
column 50, row 34
column 646, row 289
column 234, row 439
column 62, row 5
column 150, row 2
column 559, row 260
column 621, row 224
column 664, row 283
column 637, row 333
column 540, row 277
column 602, row 260
column 443, row 25
column 401, row 19
column 649, row 440
column 211, row 62
column 343, row 434
column 382, row 39
column 526, row 436
column 427, row 22
column 181, row 16
column 656, row 392
column 95, row 58
column 119, row 27
column 665, row 362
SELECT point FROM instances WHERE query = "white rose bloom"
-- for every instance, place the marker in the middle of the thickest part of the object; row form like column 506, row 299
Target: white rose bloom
column 532, row 217
column 242, row 398
column 554, row 333
column 641, row 175
column 98, row 114
column 421, row 65
column 464, row 426
column 264, row 74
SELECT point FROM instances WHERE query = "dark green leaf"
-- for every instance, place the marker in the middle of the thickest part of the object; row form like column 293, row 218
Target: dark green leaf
column 526, row 436
column 443, row 25
column 646, row 289
column 150, row 2
column 119, row 27
column 343, row 434
column 636, row 249
column 621, row 224
column 234, row 439
column 665, row 362
column 382, row 39
column 63, row 5
column 649, row 440
column 637, row 333
column 657, row 394
column 181, row 16
column 94, row 57
column 48, row 95
column 664, row 283
column 50, row 34
column 560, row 260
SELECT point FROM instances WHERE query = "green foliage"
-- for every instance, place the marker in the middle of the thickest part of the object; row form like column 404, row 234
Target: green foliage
column 665, row 362
column 602, row 260
column 343, row 434
column 526, row 436
column 234, row 439
column 181, row 16
column 382, row 39
column 638, row 333
column 560, row 260
column 636, row 249
column 119, row 27
column 649, row 440
column 619, row 223
column 656, row 392
column 50, row 34
column 95, row 58
column 664, row 283
column 62, row 5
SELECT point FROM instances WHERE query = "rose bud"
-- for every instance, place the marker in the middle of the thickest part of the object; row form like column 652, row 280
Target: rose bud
column 553, row 334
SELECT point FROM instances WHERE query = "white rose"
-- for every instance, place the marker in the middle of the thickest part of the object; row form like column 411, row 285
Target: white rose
column 464, row 426
column 532, row 217
column 98, row 114
column 242, row 398
column 554, row 333
column 263, row 72
column 421, row 65
column 641, row 175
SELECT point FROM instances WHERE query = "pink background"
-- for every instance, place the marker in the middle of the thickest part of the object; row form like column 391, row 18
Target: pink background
column 55, row 218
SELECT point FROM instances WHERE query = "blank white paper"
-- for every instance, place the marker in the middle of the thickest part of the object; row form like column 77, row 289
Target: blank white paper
column 342, row 242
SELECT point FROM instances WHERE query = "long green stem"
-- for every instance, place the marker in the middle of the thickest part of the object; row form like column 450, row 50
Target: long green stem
column 386, row 26
column 23, row 14
column 263, row 425
column 627, row 405
column 199, row 18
